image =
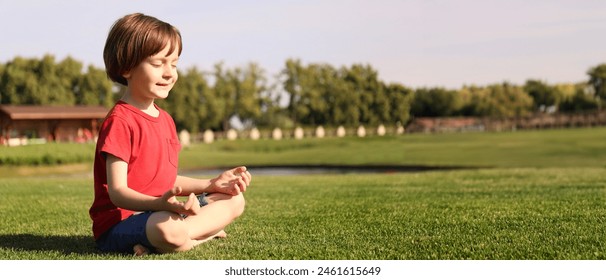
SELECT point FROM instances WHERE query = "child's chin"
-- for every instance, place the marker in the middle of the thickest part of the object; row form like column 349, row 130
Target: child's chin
column 162, row 95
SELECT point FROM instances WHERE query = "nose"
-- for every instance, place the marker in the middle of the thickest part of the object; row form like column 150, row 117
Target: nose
column 168, row 71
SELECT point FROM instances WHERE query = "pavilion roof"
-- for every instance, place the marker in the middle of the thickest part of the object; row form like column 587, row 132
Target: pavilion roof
column 35, row 112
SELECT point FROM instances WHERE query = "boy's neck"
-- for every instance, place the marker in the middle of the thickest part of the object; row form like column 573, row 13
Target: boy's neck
column 146, row 106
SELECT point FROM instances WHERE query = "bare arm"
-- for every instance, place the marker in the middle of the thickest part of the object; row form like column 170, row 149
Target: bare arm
column 233, row 182
column 124, row 197
column 192, row 185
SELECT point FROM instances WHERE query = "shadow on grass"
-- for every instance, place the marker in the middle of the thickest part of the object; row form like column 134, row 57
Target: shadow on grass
column 63, row 244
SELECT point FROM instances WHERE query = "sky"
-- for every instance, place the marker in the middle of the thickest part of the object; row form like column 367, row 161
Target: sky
column 416, row 43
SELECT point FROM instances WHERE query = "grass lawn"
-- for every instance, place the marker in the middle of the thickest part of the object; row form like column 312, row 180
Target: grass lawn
column 583, row 147
column 551, row 213
column 547, row 148
column 542, row 195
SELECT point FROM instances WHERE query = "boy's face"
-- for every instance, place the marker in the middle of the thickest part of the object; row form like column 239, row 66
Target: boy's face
column 155, row 76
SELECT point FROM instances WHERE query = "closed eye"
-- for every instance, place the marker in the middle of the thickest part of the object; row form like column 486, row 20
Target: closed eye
column 156, row 64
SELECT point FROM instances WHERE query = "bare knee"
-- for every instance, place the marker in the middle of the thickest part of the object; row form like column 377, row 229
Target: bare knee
column 167, row 232
column 234, row 204
column 238, row 204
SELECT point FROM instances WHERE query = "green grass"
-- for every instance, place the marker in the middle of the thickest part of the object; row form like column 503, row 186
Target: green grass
column 543, row 196
column 548, row 148
column 46, row 154
column 583, row 147
column 528, row 213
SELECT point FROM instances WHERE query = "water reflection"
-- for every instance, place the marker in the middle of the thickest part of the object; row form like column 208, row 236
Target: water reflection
column 320, row 169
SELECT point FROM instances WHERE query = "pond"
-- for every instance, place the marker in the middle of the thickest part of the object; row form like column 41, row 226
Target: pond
column 322, row 169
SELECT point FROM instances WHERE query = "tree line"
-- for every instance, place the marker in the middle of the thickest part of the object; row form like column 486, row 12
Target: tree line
column 299, row 95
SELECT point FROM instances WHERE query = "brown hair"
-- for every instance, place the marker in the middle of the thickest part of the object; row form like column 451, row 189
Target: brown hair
column 134, row 38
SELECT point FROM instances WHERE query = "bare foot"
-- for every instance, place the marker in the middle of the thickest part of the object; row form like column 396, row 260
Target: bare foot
column 220, row 234
column 140, row 250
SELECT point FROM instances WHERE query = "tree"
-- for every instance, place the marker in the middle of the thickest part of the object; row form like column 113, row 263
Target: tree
column 581, row 100
column 211, row 107
column 272, row 113
column 374, row 104
column 250, row 84
column 316, row 84
column 435, row 102
column 1, row 74
column 56, row 82
column 597, row 80
column 344, row 109
column 240, row 91
column 94, row 88
column 18, row 79
column 308, row 88
column 46, row 82
column 542, row 94
column 400, row 101
column 502, row 100
column 225, row 90
column 292, row 85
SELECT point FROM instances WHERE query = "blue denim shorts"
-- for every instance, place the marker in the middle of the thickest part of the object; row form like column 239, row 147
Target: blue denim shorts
column 123, row 236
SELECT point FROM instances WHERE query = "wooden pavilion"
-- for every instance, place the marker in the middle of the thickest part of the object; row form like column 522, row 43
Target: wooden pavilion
column 34, row 124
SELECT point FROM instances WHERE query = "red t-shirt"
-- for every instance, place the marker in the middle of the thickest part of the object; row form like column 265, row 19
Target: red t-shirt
column 150, row 147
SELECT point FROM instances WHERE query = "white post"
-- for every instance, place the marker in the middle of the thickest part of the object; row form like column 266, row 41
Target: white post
column 341, row 131
column 400, row 130
column 361, row 131
column 381, row 130
column 320, row 132
column 299, row 133
column 232, row 134
column 276, row 134
column 184, row 138
column 208, row 136
column 255, row 134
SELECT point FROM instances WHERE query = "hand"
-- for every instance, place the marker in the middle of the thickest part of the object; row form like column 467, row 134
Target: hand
column 189, row 207
column 232, row 182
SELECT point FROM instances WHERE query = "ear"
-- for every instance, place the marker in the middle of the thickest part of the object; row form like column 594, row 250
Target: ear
column 126, row 75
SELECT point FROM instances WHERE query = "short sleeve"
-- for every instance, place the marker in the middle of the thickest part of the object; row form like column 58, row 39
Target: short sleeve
column 116, row 137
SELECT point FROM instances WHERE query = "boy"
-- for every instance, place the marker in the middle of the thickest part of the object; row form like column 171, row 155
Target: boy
column 135, row 208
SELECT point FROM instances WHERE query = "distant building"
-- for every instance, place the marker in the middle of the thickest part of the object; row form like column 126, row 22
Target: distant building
column 30, row 124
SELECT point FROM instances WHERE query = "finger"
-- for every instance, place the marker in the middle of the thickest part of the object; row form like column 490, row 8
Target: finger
column 233, row 187
column 230, row 173
column 236, row 189
column 190, row 201
column 195, row 207
column 172, row 192
column 247, row 177
column 176, row 190
column 241, row 184
column 244, row 176
column 233, row 171
column 239, row 170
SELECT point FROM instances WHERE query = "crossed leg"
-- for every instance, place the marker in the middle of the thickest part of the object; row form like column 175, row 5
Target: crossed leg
column 169, row 232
